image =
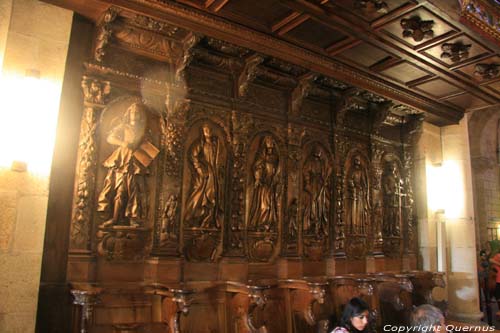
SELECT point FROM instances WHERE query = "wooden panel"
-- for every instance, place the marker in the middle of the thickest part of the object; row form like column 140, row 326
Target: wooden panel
column 467, row 101
column 370, row 12
column 317, row 34
column 438, row 88
column 405, row 72
column 364, row 54
column 495, row 86
column 265, row 12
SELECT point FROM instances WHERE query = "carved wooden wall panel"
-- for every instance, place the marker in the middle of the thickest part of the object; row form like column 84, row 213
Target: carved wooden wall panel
column 202, row 161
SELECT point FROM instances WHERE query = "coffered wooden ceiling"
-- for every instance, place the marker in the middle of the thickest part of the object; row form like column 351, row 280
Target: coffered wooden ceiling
column 409, row 51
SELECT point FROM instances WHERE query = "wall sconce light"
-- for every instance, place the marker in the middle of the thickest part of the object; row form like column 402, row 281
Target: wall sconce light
column 28, row 121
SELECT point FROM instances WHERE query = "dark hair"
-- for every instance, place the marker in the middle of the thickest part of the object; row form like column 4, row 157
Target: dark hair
column 353, row 308
column 482, row 253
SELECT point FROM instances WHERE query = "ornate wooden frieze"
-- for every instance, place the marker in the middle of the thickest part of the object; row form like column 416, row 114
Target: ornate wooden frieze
column 379, row 112
column 149, row 41
column 104, row 33
column 456, row 52
column 486, row 71
column 95, row 94
column 417, row 28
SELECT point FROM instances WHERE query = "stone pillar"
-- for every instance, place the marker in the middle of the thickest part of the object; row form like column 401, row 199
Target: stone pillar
column 428, row 153
column 459, row 217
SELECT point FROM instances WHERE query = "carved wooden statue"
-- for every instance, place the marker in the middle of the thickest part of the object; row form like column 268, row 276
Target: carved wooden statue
column 392, row 189
column 358, row 203
column 124, row 193
column 204, row 208
column 264, row 209
column 316, row 174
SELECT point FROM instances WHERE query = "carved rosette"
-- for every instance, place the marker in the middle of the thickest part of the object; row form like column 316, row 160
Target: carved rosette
column 95, row 96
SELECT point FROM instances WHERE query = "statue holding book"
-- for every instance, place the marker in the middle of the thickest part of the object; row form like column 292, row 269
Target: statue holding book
column 123, row 196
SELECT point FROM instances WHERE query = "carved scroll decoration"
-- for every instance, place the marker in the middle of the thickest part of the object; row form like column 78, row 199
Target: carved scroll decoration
column 188, row 53
column 248, row 73
column 104, row 33
column 302, row 90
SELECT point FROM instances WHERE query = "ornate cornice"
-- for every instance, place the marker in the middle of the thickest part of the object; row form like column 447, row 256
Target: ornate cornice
column 193, row 19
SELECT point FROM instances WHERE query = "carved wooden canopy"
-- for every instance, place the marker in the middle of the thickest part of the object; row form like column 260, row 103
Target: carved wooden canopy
column 412, row 52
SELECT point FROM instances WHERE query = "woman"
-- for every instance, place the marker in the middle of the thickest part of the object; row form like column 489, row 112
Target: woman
column 354, row 318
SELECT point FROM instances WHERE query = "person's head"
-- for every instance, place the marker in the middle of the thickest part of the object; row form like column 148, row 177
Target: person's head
column 483, row 254
column 135, row 114
column 206, row 131
column 355, row 316
column 427, row 318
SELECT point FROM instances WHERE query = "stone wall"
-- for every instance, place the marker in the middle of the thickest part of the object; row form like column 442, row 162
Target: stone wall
column 33, row 35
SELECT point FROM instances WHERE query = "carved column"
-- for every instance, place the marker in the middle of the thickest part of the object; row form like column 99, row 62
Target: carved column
column 95, row 94
column 412, row 131
column 292, row 231
column 241, row 124
column 87, row 299
column 376, row 240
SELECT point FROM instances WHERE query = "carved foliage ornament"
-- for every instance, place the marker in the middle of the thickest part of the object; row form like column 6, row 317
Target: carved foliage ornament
column 486, row 71
column 95, row 91
column 417, row 28
column 372, row 5
column 455, row 51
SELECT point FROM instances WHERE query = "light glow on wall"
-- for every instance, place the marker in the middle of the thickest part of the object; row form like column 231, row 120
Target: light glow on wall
column 446, row 189
column 30, row 108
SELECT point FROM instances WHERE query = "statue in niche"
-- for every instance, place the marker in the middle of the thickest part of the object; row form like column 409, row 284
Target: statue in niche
column 203, row 204
column 358, row 203
column 124, row 192
column 392, row 191
column 264, row 208
column 168, row 221
column 316, row 174
column 292, row 225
